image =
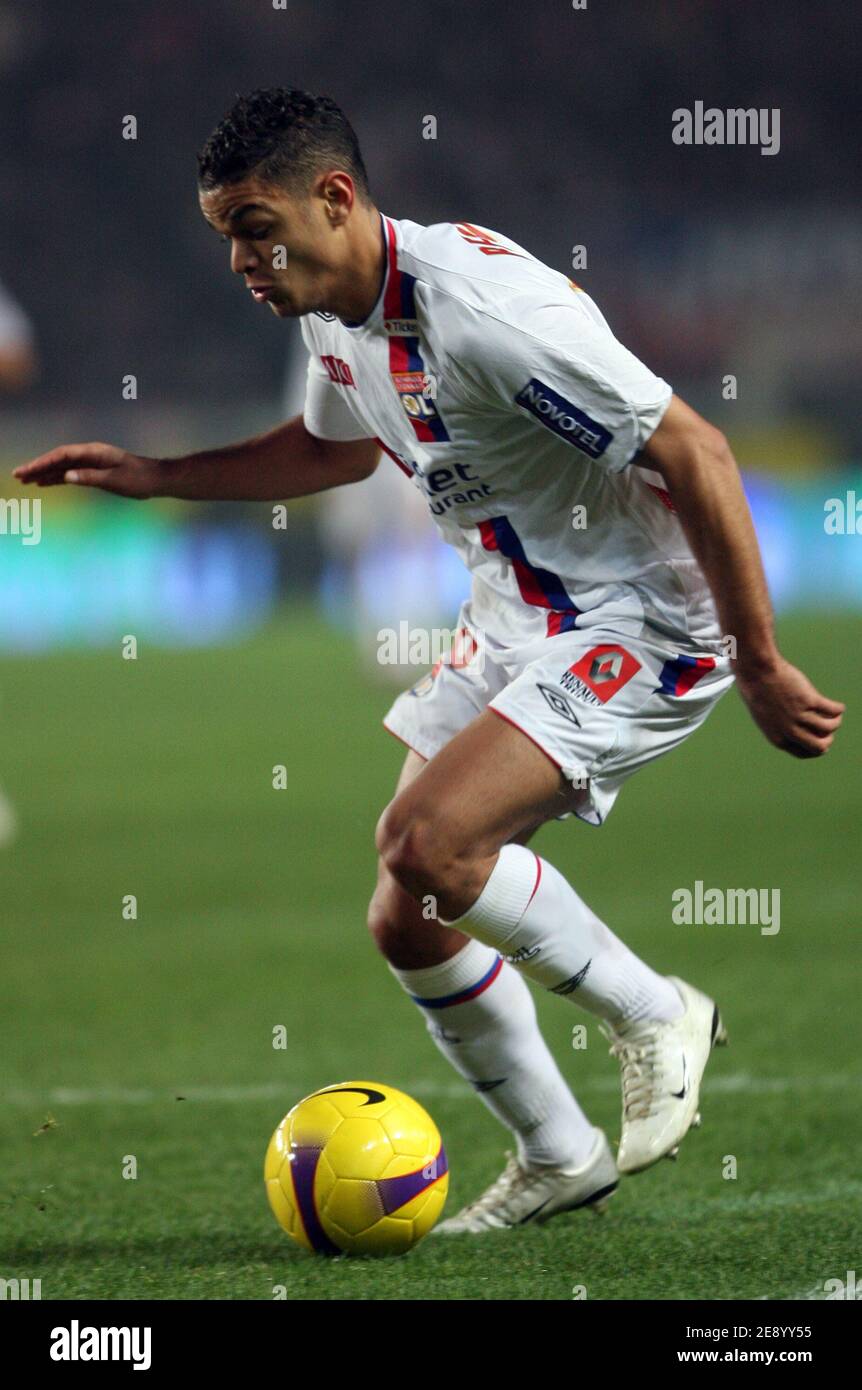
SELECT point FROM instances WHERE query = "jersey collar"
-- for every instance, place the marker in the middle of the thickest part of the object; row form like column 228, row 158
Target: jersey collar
column 385, row 304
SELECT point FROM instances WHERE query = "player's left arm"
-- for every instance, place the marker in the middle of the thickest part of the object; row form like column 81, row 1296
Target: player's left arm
column 703, row 482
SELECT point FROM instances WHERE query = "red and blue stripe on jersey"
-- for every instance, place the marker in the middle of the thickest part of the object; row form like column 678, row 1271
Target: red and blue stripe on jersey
column 539, row 587
column 406, row 364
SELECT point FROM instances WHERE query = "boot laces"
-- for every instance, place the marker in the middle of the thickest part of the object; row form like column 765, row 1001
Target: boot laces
column 503, row 1188
column 638, row 1061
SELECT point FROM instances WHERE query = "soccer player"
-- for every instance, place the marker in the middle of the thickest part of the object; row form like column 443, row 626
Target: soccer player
column 612, row 555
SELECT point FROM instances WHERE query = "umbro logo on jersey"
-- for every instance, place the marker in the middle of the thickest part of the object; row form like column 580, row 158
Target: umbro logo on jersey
column 565, row 419
column 327, row 318
column 559, row 704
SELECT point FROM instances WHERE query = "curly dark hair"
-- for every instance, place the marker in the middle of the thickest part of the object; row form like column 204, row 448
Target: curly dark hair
column 285, row 136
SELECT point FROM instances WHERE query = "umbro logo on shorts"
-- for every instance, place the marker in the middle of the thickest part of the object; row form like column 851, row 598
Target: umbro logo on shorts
column 559, row 704
column 598, row 675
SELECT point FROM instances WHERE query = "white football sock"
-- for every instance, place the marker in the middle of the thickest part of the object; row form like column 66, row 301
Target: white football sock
column 482, row 1017
column 528, row 910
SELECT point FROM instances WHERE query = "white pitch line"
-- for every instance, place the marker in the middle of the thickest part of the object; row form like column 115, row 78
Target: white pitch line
column 755, row 1202
column 736, row 1083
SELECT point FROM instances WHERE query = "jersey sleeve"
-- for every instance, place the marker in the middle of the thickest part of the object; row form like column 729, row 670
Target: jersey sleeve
column 562, row 367
column 326, row 413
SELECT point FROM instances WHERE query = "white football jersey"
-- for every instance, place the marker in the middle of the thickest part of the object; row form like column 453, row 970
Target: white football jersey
column 495, row 383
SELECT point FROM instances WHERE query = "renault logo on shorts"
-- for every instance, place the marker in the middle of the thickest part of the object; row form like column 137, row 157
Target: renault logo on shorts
column 606, row 667
column 600, row 673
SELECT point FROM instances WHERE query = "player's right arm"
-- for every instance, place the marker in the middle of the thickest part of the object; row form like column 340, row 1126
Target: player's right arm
column 285, row 462
column 324, row 447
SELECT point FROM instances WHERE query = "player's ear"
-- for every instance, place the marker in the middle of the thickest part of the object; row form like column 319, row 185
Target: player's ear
column 339, row 195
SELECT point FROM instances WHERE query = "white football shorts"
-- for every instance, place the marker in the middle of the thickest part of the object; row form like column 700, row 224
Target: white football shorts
column 599, row 705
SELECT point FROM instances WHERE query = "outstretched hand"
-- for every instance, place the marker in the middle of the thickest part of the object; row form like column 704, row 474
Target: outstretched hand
column 93, row 465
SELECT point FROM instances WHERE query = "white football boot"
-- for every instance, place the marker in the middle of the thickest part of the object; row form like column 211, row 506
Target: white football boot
column 662, row 1066
column 520, row 1196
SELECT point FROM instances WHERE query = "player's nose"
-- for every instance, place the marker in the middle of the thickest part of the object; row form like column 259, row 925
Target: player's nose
column 242, row 258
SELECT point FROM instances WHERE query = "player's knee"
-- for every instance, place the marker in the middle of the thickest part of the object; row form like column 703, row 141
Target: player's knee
column 390, row 918
column 415, row 849
column 383, row 912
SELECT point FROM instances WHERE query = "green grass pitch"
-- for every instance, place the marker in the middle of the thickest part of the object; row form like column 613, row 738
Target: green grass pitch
column 153, row 1037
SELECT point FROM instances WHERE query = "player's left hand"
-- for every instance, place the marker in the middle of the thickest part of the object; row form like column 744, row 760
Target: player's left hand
column 789, row 710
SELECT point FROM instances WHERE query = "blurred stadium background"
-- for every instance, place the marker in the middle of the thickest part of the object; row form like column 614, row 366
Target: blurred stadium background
column 556, row 130
column 554, row 126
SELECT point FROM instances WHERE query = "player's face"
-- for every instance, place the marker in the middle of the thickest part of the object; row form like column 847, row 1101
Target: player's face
column 278, row 242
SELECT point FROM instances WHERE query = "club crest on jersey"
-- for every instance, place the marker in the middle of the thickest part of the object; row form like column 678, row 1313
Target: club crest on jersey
column 411, row 388
column 565, row 419
column 598, row 675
